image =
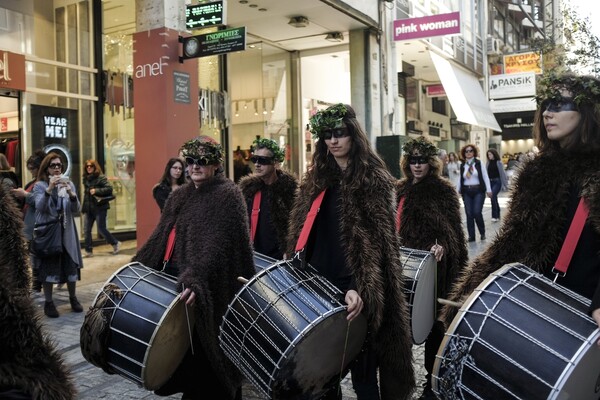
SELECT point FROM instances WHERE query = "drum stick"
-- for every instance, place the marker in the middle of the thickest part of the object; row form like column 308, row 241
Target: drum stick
column 187, row 317
column 242, row 279
column 450, row 303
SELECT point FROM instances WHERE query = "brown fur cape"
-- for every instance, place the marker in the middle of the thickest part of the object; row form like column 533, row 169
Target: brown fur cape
column 431, row 214
column 372, row 251
column 283, row 192
column 530, row 232
column 29, row 362
column 212, row 249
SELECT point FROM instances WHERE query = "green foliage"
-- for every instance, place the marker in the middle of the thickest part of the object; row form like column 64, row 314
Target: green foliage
column 329, row 118
column 270, row 144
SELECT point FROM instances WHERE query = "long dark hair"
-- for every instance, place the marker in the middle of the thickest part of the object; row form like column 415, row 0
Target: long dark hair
column 495, row 154
column 361, row 158
column 166, row 176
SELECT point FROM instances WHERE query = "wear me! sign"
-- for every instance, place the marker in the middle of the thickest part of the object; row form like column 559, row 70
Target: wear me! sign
column 423, row 27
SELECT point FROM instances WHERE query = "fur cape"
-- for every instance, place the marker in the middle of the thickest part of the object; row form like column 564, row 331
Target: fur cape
column 212, row 249
column 29, row 362
column 372, row 251
column 431, row 213
column 531, row 231
column 283, row 192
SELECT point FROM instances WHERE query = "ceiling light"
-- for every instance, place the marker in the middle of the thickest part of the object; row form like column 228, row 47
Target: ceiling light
column 299, row 22
column 335, row 37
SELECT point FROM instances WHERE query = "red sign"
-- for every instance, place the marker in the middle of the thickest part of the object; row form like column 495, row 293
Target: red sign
column 435, row 91
column 12, row 70
column 423, row 27
column 3, row 124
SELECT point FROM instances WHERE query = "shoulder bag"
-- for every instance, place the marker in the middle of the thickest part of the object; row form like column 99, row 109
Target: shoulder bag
column 47, row 238
column 102, row 200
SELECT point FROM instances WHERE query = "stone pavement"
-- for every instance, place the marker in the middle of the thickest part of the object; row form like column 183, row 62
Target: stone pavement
column 93, row 383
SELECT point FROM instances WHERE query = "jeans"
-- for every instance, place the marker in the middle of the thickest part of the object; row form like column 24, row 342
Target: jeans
column 473, row 199
column 496, row 184
column 88, row 223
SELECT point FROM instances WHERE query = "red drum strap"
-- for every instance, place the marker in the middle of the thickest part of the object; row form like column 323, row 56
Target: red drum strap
column 310, row 219
column 399, row 213
column 170, row 245
column 568, row 247
column 254, row 216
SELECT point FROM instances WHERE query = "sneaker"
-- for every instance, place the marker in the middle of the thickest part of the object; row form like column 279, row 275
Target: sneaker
column 495, row 219
column 471, row 239
column 116, row 247
column 88, row 254
column 75, row 305
column 482, row 237
column 50, row 309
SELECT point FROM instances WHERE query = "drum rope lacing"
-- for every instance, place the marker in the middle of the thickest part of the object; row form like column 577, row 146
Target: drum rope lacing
column 459, row 348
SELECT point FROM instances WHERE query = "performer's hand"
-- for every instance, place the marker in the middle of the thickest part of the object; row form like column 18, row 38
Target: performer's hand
column 437, row 251
column 596, row 316
column 355, row 304
column 188, row 296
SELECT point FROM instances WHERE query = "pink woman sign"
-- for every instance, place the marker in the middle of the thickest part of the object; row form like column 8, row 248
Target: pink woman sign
column 423, row 27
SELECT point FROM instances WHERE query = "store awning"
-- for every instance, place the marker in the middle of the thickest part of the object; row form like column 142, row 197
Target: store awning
column 465, row 94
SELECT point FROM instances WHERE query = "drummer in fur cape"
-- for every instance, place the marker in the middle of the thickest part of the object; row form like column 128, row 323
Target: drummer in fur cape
column 212, row 249
column 277, row 191
column 547, row 192
column 353, row 244
column 430, row 219
column 30, row 366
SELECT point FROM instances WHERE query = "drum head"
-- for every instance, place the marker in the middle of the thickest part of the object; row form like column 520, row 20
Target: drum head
column 419, row 269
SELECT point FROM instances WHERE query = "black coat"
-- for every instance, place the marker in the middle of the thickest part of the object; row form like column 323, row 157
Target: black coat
column 103, row 188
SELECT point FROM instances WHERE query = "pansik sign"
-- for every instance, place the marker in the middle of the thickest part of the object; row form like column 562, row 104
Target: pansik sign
column 424, row 27
column 512, row 85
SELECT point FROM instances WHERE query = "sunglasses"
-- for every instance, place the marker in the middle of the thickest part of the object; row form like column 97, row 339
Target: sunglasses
column 414, row 160
column 89, row 166
column 201, row 162
column 261, row 160
column 55, row 165
column 335, row 133
column 469, row 150
column 559, row 105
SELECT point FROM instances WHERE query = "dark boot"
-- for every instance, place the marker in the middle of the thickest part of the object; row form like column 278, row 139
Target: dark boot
column 75, row 306
column 50, row 309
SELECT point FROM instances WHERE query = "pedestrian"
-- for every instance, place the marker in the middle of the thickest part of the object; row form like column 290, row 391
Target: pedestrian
column 27, row 199
column 240, row 166
column 96, row 185
column 30, row 365
column 443, row 156
column 172, row 178
column 498, row 180
column 547, row 192
column 211, row 250
column 56, row 197
column 473, row 186
column 429, row 219
column 274, row 191
column 8, row 178
column 454, row 169
column 354, row 245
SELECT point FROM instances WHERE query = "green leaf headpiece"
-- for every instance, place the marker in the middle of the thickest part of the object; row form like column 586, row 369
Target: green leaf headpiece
column 203, row 147
column 329, row 118
column 270, row 144
column 420, row 144
column 585, row 89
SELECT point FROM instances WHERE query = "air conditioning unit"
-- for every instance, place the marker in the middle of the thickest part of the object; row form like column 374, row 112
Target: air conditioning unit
column 493, row 46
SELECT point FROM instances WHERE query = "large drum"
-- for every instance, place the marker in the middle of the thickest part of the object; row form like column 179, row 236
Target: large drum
column 419, row 270
column 519, row 336
column 286, row 330
column 149, row 329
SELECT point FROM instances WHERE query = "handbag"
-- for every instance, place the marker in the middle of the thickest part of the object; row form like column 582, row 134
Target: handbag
column 47, row 238
column 102, row 200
